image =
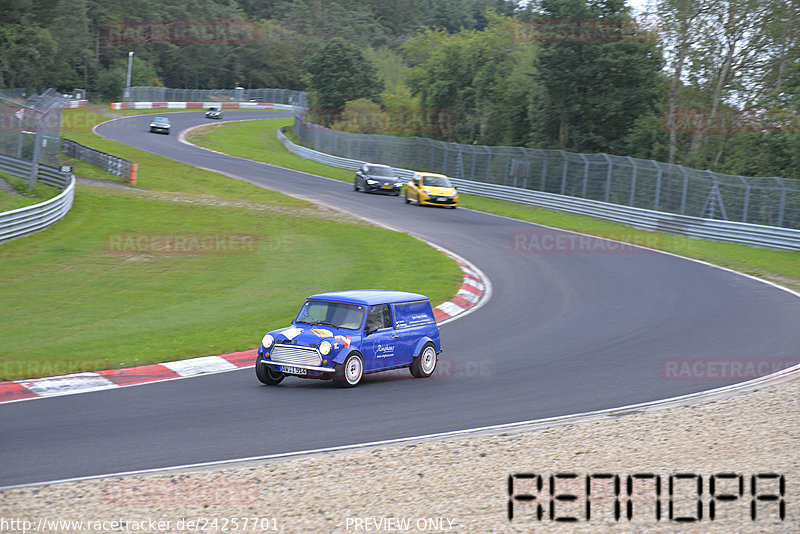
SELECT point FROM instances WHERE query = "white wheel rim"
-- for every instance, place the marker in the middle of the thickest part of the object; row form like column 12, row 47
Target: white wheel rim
column 352, row 371
column 428, row 360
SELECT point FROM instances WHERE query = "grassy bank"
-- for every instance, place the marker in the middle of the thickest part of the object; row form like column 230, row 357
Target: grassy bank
column 14, row 193
column 197, row 264
column 257, row 140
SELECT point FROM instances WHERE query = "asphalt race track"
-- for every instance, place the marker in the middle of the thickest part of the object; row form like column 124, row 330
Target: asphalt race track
column 564, row 332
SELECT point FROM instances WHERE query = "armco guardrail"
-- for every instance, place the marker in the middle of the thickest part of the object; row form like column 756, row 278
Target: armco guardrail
column 49, row 175
column 107, row 162
column 749, row 234
column 624, row 180
column 23, row 221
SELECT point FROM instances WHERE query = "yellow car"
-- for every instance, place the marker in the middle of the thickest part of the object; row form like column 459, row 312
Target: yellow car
column 426, row 188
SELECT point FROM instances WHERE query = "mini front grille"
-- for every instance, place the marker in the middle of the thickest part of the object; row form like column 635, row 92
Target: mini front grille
column 291, row 354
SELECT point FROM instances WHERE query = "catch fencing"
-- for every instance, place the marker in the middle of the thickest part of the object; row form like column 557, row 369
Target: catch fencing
column 30, row 138
column 109, row 163
column 30, row 126
column 165, row 94
column 737, row 232
column 625, row 181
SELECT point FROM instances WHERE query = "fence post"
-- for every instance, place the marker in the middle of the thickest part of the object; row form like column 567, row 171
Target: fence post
column 608, row 177
column 783, row 201
column 746, row 207
column 658, row 184
column 633, row 180
column 474, row 156
column 714, row 196
column 564, row 174
column 544, row 170
column 685, row 190
column 585, row 174
column 35, row 161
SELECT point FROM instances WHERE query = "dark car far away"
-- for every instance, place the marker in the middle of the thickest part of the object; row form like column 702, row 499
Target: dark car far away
column 372, row 177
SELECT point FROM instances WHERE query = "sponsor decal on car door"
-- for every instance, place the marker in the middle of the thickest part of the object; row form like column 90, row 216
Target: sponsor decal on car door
column 381, row 344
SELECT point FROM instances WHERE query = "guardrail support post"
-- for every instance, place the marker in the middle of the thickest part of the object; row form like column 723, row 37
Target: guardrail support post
column 35, row 162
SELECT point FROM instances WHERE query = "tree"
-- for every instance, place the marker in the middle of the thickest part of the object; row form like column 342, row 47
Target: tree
column 682, row 22
column 339, row 72
column 274, row 60
column 597, row 78
column 481, row 78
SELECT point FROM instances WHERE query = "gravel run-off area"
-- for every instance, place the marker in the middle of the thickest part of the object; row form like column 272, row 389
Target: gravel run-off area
column 462, row 485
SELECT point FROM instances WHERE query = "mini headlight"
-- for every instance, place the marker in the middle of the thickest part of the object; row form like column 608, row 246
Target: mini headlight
column 267, row 341
column 426, row 191
column 371, row 181
column 325, row 347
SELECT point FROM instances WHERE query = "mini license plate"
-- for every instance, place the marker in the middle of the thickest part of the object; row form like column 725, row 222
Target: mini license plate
column 293, row 370
column 388, row 187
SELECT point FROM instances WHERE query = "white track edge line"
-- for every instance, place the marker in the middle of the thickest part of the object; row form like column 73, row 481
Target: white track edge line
column 712, row 395
column 485, row 431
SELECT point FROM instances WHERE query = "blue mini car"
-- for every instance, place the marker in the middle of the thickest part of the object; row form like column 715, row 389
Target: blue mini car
column 344, row 335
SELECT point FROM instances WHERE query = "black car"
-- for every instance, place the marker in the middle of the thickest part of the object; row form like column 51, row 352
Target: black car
column 214, row 113
column 373, row 177
column 160, row 124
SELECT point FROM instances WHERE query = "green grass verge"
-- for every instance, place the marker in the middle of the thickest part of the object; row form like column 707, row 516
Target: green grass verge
column 257, row 140
column 97, row 290
column 11, row 201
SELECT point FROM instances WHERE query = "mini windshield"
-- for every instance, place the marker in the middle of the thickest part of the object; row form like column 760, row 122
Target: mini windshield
column 336, row 314
column 435, row 181
column 161, row 120
column 380, row 171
